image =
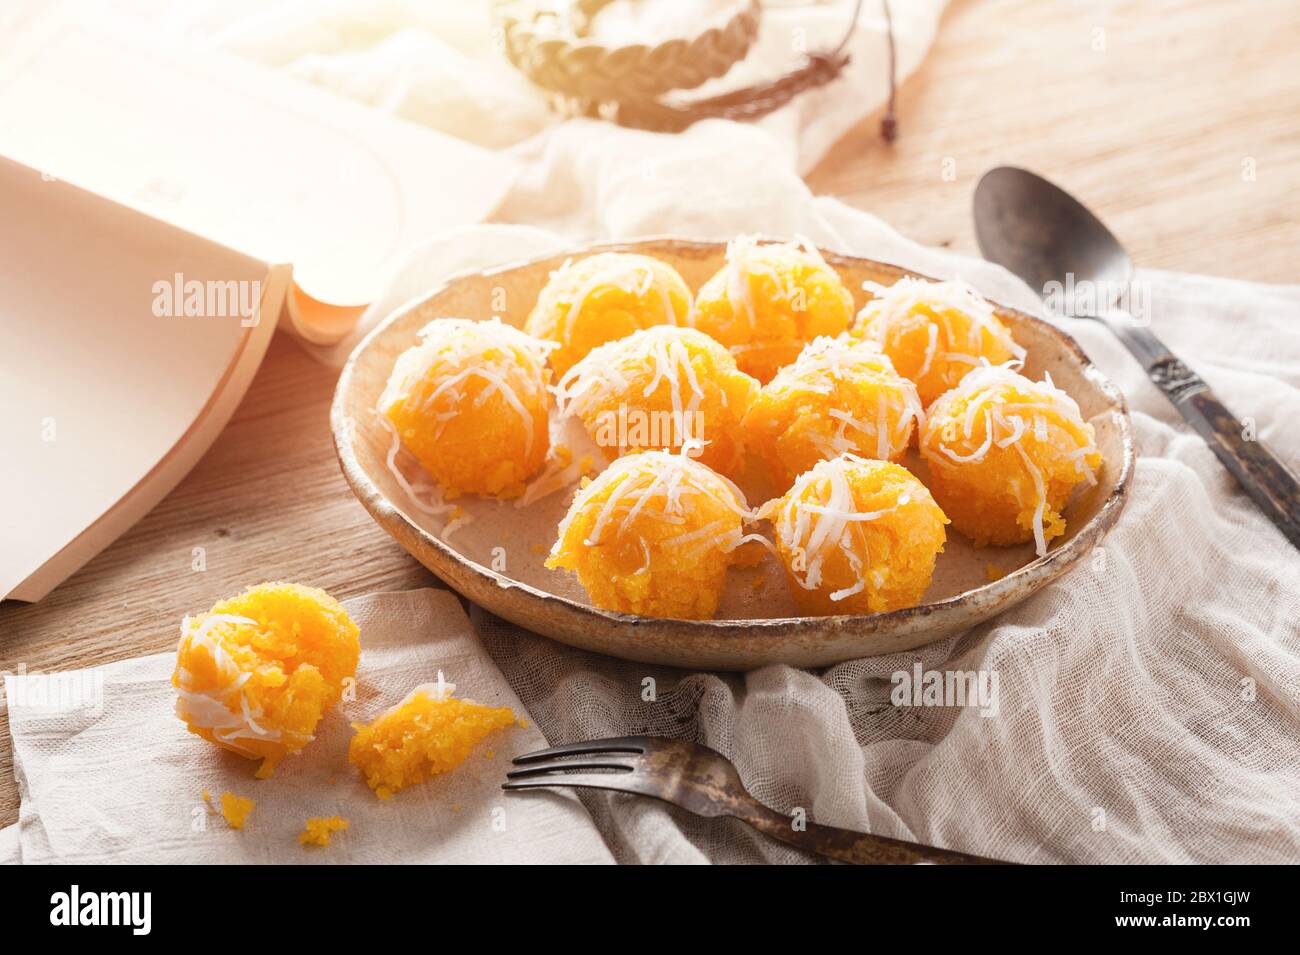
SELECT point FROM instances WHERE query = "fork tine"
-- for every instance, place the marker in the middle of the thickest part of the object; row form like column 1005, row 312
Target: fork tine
column 554, row 765
column 618, row 744
column 619, row 782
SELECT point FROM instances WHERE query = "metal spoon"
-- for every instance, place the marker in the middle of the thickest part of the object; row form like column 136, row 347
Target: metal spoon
column 1044, row 235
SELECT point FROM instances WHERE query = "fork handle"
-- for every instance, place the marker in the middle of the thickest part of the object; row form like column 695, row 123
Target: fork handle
column 845, row 845
column 1274, row 488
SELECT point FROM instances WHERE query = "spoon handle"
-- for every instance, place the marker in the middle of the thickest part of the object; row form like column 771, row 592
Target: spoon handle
column 1272, row 485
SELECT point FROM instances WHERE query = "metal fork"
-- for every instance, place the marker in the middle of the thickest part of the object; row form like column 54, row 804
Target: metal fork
column 702, row 781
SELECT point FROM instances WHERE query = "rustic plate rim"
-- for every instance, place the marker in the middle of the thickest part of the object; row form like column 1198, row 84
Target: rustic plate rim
column 1055, row 563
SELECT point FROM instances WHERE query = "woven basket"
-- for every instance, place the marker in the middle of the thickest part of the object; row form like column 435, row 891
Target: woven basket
column 628, row 84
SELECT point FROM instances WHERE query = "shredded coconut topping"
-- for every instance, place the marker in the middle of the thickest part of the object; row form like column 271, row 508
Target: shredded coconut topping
column 816, row 530
column 893, row 304
column 658, row 485
column 454, row 350
column 1011, row 407
column 830, row 367
column 743, row 262
column 631, row 274
column 211, row 709
column 663, row 349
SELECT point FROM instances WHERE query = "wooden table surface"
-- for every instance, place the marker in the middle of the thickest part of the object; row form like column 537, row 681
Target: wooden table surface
column 1154, row 113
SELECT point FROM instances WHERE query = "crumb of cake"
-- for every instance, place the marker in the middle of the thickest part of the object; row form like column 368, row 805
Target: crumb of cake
column 318, row 829
column 1005, row 453
column 523, row 723
column 993, row 572
column 236, row 809
column 470, row 403
column 654, row 534
column 207, row 796
column 455, row 807
column 857, row 536
column 604, row 297
column 934, row 332
column 255, row 674
column 769, row 301
column 841, row 395
column 659, row 389
column 428, row 733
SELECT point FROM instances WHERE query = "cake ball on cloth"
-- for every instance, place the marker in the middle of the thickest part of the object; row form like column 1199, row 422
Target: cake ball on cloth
column 839, row 396
column 604, row 297
column 769, row 301
column 429, row 732
column 660, row 389
column 470, row 403
column 934, row 332
column 857, row 536
column 1004, row 455
column 256, row 673
column 653, row 534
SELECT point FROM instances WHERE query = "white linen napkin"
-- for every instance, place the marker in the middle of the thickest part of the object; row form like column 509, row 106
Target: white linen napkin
column 109, row 774
column 10, row 854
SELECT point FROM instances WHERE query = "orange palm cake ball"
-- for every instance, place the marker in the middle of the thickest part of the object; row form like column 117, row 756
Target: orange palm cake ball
column 1005, row 453
column 857, row 536
column 769, row 301
column 470, row 403
column 658, row 389
column 934, row 332
column 653, row 534
column 429, row 732
column 604, row 297
column 256, row 673
column 840, row 395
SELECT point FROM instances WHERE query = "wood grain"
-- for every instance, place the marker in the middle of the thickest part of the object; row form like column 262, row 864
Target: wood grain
column 1151, row 131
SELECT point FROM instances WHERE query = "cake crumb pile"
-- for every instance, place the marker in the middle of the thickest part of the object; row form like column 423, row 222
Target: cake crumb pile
column 236, row 809
column 428, row 733
column 317, row 830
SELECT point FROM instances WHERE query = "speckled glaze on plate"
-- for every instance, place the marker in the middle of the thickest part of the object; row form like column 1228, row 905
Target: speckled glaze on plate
column 758, row 629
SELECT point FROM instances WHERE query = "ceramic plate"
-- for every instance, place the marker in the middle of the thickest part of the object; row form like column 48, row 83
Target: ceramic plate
column 496, row 560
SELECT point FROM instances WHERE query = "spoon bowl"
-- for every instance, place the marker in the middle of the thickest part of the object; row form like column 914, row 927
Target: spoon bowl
column 1043, row 234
